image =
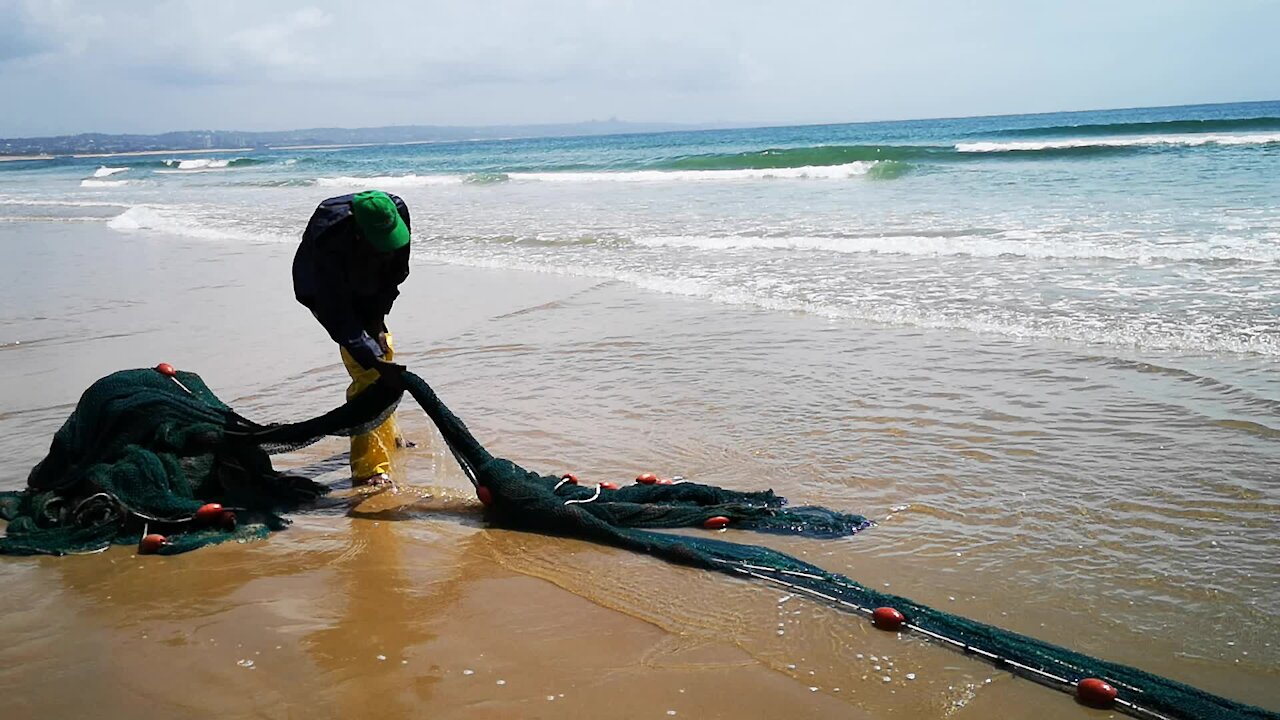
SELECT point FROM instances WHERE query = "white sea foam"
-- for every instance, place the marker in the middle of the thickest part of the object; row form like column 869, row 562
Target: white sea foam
column 92, row 183
column 188, row 222
column 814, row 172
column 198, row 163
column 41, row 202
column 1135, row 332
column 811, row 172
column 1019, row 244
column 1187, row 139
column 392, row 181
column 105, row 171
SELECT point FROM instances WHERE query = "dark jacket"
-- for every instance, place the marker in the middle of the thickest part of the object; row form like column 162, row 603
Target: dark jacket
column 345, row 283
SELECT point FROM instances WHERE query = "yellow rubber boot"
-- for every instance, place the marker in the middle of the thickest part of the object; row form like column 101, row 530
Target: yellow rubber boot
column 370, row 452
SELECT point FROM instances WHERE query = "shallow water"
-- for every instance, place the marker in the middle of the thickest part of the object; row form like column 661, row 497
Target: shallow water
column 1119, row 502
column 1153, row 229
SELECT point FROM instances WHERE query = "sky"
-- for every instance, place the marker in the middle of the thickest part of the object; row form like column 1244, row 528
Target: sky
column 69, row 66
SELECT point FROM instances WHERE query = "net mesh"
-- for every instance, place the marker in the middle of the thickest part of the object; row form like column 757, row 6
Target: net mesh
column 142, row 449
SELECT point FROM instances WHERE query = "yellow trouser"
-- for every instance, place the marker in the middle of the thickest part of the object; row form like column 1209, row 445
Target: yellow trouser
column 370, row 452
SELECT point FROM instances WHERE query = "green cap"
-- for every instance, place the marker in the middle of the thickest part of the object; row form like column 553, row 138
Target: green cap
column 379, row 221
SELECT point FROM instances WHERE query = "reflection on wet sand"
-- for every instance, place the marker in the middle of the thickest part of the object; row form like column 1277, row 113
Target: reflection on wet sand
column 387, row 611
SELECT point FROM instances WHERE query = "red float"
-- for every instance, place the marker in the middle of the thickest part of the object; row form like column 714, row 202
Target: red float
column 608, row 486
column 717, row 522
column 646, row 478
column 570, row 477
column 166, row 369
column 151, row 544
column 1095, row 693
column 485, row 495
column 664, row 481
column 227, row 520
column 887, row 618
column 209, row 513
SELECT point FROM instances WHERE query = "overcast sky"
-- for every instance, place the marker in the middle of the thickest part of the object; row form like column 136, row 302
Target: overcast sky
column 71, row 66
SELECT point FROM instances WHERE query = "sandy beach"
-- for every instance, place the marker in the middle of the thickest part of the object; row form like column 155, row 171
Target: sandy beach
column 971, row 455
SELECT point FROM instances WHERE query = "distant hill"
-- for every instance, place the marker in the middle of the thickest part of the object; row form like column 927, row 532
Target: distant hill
column 208, row 139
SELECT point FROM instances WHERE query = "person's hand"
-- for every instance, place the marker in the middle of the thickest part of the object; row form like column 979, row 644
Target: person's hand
column 381, row 339
column 391, row 375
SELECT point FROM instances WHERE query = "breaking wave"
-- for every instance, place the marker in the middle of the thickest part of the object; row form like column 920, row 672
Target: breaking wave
column 188, row 223
column 1139, row 141
column 812, row 172
column 176, row 165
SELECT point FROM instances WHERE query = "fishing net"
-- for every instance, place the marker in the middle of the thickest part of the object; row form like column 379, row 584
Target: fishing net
column 145, row 449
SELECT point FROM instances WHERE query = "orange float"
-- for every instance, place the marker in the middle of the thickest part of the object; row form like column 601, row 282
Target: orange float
column 887, row 618
column 1095, row 693
column 151, row 544
column 209, row 513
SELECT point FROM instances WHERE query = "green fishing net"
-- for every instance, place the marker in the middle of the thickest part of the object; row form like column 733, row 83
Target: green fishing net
column 144, row 450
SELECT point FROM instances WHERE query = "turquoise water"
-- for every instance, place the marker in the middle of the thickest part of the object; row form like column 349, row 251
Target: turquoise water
column 1150, row 228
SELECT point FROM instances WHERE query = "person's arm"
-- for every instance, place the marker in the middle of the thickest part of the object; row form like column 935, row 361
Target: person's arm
column 339, row 318
column 321, row 284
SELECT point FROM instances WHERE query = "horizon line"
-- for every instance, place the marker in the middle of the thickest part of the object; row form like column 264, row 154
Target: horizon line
column 670, row 125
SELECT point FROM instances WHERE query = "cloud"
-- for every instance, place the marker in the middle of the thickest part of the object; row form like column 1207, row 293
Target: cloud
column 438, row 43
column 35, row 28
column 151, row 65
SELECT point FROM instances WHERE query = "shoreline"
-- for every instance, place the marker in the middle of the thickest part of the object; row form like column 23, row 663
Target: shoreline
column 420, row 604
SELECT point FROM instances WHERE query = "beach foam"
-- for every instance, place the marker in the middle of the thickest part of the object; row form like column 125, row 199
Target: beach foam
column 1183, row 139
column 814, row 172
column 92, row 183
column 809, row 172
column 1141, row 332
column 1023, row 244
column 197, row 163
column 188, row 222
column 105, row 171
column 390, row 181
column 52, row 202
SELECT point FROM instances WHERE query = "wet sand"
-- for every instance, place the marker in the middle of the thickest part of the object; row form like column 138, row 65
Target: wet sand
column 1070, row 494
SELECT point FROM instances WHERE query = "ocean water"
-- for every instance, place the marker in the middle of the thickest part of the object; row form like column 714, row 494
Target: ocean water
column 1153, row 229
column 1040, row 351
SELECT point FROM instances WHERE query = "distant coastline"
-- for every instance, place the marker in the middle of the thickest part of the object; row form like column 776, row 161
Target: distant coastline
column 134, row 153
column 160, row 152
column 208, row 141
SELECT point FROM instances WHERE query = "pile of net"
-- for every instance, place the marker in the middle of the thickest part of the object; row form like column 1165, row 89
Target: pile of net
column 146, row 450
column 143, row 451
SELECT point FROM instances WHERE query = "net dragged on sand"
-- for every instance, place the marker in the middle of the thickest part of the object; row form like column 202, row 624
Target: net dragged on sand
column 145, row 450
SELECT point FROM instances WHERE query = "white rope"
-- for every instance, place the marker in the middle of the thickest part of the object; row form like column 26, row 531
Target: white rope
column 593, row 497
